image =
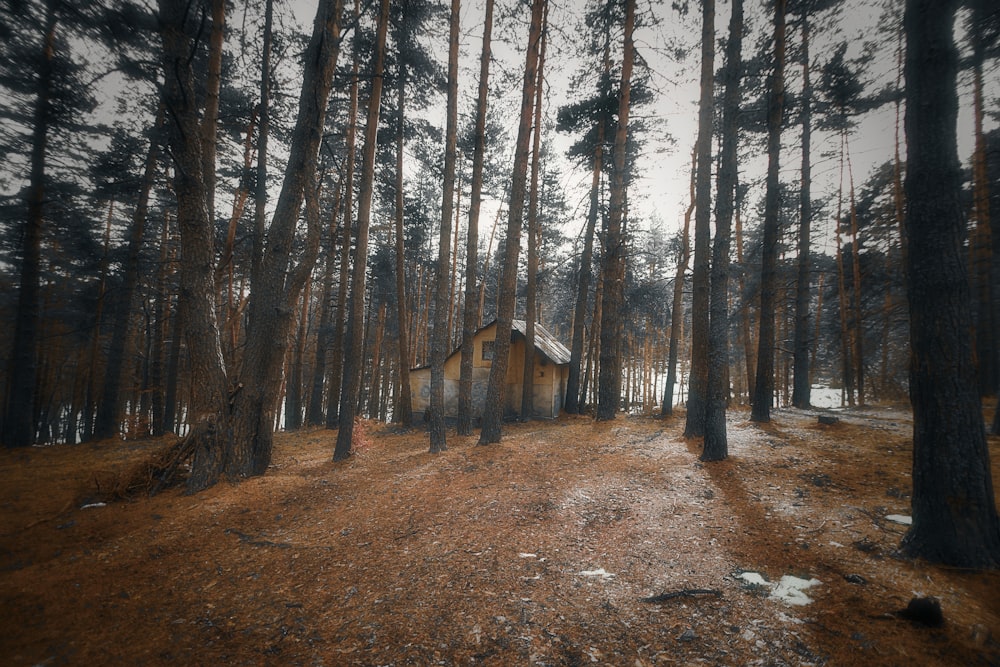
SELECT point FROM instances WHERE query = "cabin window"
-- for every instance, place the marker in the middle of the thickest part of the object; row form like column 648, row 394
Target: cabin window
column 487, row 354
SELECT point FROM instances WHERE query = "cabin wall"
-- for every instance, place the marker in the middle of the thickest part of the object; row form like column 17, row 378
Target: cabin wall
column 549, row 382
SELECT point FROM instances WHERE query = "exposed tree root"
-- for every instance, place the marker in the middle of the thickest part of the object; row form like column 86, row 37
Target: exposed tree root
column 163, row 469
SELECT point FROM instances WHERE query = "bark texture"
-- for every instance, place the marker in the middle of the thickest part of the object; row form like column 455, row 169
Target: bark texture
column 954, row 513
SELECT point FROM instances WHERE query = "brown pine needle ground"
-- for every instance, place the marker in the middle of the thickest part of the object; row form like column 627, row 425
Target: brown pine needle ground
column 538, row 550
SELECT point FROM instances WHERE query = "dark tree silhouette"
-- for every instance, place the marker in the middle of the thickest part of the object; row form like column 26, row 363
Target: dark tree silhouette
column 954, row 511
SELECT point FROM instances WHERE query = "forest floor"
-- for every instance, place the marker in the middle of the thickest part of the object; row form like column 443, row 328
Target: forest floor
column 539, row 550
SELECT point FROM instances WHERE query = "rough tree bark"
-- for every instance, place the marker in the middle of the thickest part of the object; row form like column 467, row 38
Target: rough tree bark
column 954, row 512
column 716, row 446
column 613, row 258
column 496, row 388
column 694, row 425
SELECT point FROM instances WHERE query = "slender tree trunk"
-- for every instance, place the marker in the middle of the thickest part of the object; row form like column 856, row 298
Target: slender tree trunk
column 801, row 387
column 954, row 511
column 716, row 446
column 574, row 404
column 858, row 328
column 496, row 388
column 263, row 134
column 700, row 295
column 470, row 321
column 677, row 305
column 336, row 373
column 293, row 387
column 763, row 396
column 354, row 338
column 847, row 375
column 746, row 331
column 161, row 316
column 441, row 334
column 613, row 258
column 19, row 427
column 108, row 423
column 314, row 413
column 404, row 406
column 534, row 237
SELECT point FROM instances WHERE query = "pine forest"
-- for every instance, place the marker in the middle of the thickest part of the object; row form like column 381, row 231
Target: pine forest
column 500, row 332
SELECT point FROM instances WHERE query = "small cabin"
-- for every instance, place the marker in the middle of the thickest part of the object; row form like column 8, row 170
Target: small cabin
column 549, row 387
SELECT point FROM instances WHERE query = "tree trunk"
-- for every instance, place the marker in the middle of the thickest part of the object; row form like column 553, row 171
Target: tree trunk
column 982, row 241
column 441, row 334
column 700, row 294
column 314, row 413
column 716, row 446
column 354, row 338
column 613, row 258
column 19, row 427
column 108, row 423
column 746, row 331
column 404, row 406
column 801, row 387
column 677, row 305
column 273, row 296
column 858, row 329
column 847, row 375
column 574, row 404
column 470, row 322
column 954, row 511
column 496, row 388
column 763, row 395
column 209, row 409
column 534, row 238
column 335, row 377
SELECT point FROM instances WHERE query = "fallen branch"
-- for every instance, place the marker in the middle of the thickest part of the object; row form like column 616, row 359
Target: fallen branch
column 686, row 593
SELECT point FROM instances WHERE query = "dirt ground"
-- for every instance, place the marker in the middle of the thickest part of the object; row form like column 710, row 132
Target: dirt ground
column 539, row 550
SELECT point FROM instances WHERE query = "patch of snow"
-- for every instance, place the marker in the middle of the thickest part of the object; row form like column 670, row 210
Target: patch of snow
column 599, row 572
column 754, row 579
column 900, row 518
column 789, row 590
column 83, row 507
column 527, row 555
